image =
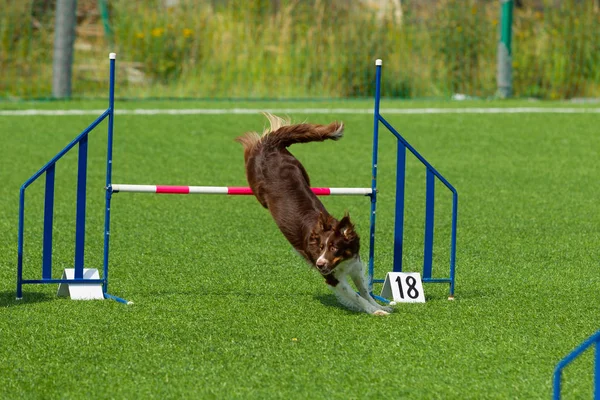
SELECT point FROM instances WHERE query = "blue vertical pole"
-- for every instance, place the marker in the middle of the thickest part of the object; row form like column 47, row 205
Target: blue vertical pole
column 429, row 214
column 374, row 173
column 453, row 242
column 111, row 115
column 399, row 222
column 81, row 195
column 48, row 219
column 20, row 243
column 597, row 369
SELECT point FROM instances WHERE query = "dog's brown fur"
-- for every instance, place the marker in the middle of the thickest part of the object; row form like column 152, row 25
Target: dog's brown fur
column 281, row 184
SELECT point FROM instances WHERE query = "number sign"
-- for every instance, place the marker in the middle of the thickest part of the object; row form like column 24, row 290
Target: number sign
column 405, row 287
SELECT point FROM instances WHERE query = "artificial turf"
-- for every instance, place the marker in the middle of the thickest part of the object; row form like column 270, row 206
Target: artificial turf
column 225, row 309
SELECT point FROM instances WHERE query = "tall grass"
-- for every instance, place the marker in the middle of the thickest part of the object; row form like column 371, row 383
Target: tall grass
column 557, row 54
column 25, row 49
column 317, row 48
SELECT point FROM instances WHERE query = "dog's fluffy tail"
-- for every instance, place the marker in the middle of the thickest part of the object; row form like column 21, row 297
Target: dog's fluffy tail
column 283, row 134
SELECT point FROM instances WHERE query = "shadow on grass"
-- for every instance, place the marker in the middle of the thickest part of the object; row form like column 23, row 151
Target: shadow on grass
column 326, row 299
column 329, row 300
column 465, row 294
column 220, row 292
column 8, row 298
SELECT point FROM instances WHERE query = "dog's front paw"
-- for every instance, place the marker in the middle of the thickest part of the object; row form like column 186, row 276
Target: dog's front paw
column 387, row 309
column 381, row 312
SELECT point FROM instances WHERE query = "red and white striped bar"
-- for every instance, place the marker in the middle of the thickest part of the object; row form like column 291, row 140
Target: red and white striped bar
column 230, row 190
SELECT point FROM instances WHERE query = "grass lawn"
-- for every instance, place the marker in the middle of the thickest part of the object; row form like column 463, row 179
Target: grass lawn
column 225, row 309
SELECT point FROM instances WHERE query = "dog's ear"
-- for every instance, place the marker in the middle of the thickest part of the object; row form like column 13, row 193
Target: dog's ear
column 346, row 228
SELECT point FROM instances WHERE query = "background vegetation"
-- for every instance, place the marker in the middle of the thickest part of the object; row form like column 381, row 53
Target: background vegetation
column 304, row 49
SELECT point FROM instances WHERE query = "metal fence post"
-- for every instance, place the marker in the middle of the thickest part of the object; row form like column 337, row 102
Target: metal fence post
column 64, row 38
column 103, row 5
column 504, row 76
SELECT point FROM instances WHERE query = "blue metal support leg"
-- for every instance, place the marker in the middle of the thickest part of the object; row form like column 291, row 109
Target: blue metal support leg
column 81, row 200
column 429, row 225
column 399, row 217
column 48, row 222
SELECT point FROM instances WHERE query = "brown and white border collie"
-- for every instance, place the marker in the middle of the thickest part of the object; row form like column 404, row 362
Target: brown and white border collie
column 281, row 184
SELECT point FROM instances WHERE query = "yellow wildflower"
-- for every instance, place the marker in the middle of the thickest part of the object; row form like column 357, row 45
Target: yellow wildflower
column 187, row 33
column 139, row 35
column 156, row 32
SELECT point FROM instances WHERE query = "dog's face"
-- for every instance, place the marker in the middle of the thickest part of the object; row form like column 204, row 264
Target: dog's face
column 333, row 242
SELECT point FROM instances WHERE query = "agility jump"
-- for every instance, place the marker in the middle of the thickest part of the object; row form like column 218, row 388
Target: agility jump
column 80, row 277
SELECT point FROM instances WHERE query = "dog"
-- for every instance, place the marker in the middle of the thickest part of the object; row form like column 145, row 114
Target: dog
column 281, row 185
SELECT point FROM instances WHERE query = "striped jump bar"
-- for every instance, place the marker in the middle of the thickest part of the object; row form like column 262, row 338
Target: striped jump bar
column 230, row 190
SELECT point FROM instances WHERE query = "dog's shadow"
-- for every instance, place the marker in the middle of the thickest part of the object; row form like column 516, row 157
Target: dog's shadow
column 8, row 298
column 329, row 300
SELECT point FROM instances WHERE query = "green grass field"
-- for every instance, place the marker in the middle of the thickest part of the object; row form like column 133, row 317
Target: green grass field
column 225, row 309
